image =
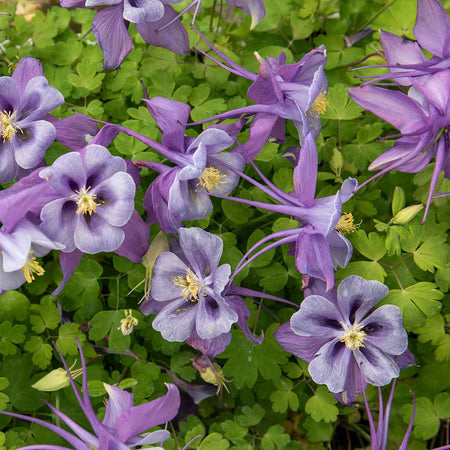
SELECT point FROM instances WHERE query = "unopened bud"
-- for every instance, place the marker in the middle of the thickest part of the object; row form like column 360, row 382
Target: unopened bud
column 407, row 214
column 55, row 380
column 398, row 200
column 210, row 372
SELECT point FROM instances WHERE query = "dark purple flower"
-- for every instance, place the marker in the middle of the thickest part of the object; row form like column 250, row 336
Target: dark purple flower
column 19, row 250
column 95, row 199
column 122, row 425
column 25, row 100
column 342, row 339
column 182, row 193
column 155, row 21
column 295, row 92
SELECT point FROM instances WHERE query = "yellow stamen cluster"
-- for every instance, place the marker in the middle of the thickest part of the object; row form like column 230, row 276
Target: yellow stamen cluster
column 127, row 324
column 191, row 286
column 85, row 201
column 346, row 224
column 211, row 178
column 320, row 104
column 354, row 336
column 31, row 268
column 9, row 128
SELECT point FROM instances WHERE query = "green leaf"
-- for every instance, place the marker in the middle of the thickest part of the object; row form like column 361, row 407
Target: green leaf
column 47, row 315
column 180, row 363
column 432, row 253
column 318, row 431
column 66, row 342
column 265, row 258
column 416, row 302
column 282, row 400
column 274, row 277
column 214, row 441
column 442, row 351
column 370, row 270
column 199, row 94
column 269, row 356
column 442, row 405
column 340, row 105
column 208, row 109
column 232, row 430
column 372, row 246
column 275, row 438
column 251, row 416
column 14, row 305
column 41, row 352
column 237, row 212
column 433, row 330
column 240, row 355
column 284, row 223
column 321, row 406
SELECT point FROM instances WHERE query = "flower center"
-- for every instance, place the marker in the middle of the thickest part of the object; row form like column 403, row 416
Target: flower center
column 191, row 286
column 320, row 104
column 211, row 178
column 31, row 268
column 85, row 201
column 9, row 128
column 354, row 336
column 346, row 224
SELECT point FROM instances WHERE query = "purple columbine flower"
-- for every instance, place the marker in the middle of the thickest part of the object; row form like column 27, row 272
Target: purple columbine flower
column 122, row 425
column 319, row 243
column 407, row 63
column 295, row 92
column 202, row 168
column 187, row 294
column 155, row 21
column 19, row 250
column 423, row 122
column 95, row 199
column 343, row 338
column 25, row 100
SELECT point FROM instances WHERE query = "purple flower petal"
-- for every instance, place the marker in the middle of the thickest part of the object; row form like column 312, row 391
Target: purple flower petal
column 392, row 106
column 243, row 313
column 231, row 179
column 116, row 198
column 214, row 317
column 119, row 402
column 167, row 267
column 142, row 10
column 331, row 365
column 317, row 318
column 38, row 99
column 76, row 131
column 176, row 321
column 8, row 165
column 15, row 248
column 58, row 223
column 432, row 28
column 27, row 69
column 30, row 147
column 357, row 296
column 202, row 249
column 8, row 94
column 140, row 418
column 254, row 8
column 137, row 239
column 171, row 117
column 304, row 347
column 111, row 32
column 340, row 247
column 313, row 256
column 377, row 366
column 174, row 37
column 209, row 347
column 214, row 141
column 384, row 329
column 93, row 235
column 305, row 172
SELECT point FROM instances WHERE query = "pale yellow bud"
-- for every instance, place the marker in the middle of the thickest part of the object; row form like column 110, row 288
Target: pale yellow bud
column 55, row 380
column 398, row 200
column 407, row 214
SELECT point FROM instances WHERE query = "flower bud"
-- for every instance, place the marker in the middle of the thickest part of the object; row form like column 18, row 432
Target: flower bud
column 337, row 162
column 398, row 200
column 407, row 214
column 55, row 380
